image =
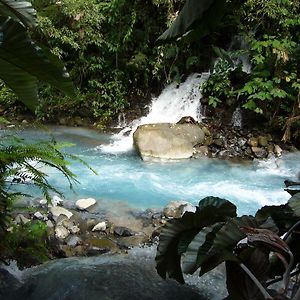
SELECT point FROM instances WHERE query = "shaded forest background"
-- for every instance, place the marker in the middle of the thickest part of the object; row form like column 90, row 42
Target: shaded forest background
column 111, row 51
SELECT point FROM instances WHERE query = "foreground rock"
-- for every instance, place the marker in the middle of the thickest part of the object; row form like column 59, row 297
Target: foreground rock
column 115, row 277
column 56, row 211
column 176, row 209
column 167, row 140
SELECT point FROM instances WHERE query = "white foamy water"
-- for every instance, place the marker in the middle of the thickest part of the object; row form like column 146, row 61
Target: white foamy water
column 173, row 103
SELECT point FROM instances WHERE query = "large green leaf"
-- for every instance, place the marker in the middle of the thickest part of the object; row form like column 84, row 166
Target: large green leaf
column 167, row 257
column 200, row 14
column 282, row 215
column 22, row 83
column 239, row 284
column 22, row 11
column 222, row 207
column 230, row 234
column 17, row 49
column 197, row 251
column 178, row 233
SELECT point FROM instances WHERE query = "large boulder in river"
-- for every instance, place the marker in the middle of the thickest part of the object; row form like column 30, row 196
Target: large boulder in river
column 167, row 140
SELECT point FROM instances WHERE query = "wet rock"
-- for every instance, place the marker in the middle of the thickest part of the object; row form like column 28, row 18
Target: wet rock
column 74, row 229
column 8, row 283
column 56, row 211
column 103, row 245
column 74, row 241
column 253, row 142
column 123, row 231
column 277, row 150
column 133, row 241
column 187, row 120
column 241, row 142
column 69, row 251
column 60, row 219
column 201, row 151
column 270, row 148
column 262, row 141
column 91, row 223
column 167, row 140
column 219, row 142
column 186, row 208
column 61, row 232
column 63, row 121
column 49, row 224
column 101, row 226
column 39, row 216
column 20, row 219
column 83, row 204
column 225, row 154
column 259, row 152
column 56, row 201
column 172, row 209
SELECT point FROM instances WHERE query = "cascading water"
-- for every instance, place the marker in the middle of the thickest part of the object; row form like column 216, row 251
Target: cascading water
column 172, row 104
column 236, row 120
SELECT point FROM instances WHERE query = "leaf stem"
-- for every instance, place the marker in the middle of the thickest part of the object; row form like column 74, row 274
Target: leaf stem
column 258, row 284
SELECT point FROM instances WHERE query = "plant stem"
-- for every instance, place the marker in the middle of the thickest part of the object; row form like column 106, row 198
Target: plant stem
column 258, row 284
column 290, row 231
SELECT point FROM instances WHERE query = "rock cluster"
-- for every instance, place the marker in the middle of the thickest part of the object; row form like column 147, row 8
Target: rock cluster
column 74, row 232
column 230, row 143
column 187, row 139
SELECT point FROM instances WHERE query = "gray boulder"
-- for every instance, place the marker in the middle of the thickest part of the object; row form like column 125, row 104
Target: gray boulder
column 167, row 140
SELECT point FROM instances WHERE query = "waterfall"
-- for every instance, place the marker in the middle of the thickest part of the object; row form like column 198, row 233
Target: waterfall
column 175, row 102
column 236, row 120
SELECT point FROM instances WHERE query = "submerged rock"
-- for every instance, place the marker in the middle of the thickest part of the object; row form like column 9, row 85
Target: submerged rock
column 61, row 232
column 167, row 140
column 83, row 204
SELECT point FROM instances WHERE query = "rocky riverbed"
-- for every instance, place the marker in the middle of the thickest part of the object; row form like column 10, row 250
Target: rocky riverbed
column 88, row 227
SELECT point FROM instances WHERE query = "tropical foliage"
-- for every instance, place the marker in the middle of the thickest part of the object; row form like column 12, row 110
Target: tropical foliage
column 22, row 61
column 24, row 163
column 265, row 36
column 257, row 250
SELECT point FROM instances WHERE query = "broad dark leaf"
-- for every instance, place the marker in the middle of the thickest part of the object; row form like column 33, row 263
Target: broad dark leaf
column 230, row 234
column 223, row 205
column 270, row 225
column 239, row 284
column 201, row 14
column 214, row 260
column 197, row 251
column 178, row 233
column 167, row 257
column 282, row 215
column 294, row 204
column 22, row 83
column 17, row 49
column 21, row 11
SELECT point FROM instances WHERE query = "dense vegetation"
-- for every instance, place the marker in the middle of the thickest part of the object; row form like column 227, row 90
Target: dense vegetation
column 22, row 162
column 116, row 62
